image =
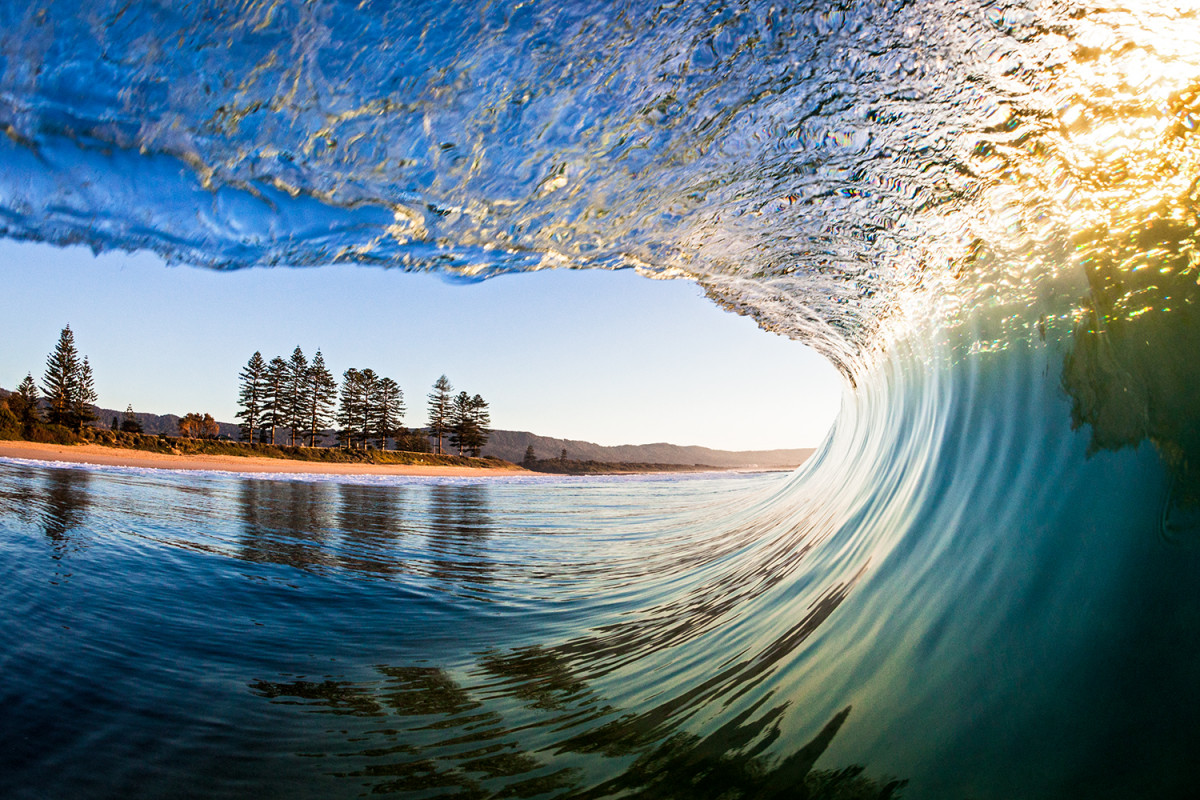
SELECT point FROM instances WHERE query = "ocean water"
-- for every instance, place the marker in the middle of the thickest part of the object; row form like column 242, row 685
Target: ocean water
column 986, row 582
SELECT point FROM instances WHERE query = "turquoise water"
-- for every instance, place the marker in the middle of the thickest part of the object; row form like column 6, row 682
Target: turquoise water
column 983, row 585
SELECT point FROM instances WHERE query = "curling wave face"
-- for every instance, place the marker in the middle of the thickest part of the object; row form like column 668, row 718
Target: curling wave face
column 835, row 172
column 984, row 583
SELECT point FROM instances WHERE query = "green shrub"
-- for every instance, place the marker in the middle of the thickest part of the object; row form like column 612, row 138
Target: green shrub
column 10, row 426
column 50, row 434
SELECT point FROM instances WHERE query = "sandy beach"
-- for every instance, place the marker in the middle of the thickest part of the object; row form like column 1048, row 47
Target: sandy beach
column 120, row 457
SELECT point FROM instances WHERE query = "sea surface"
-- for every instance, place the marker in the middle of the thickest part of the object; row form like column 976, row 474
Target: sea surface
column 984, row 584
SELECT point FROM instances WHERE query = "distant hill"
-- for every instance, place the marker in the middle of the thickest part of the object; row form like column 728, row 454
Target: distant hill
column 159, row 423
column 511, row 445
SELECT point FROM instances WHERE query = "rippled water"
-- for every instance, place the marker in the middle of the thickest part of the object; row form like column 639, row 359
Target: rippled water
column 984, row 585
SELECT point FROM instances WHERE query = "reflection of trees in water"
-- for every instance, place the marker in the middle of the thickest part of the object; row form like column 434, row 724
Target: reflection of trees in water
column 440, row 735
column 285, row 522
column 359, row 528
column 314, row 525
column 461, row 524
column 477, row 756
column 18, row 496
column 64, row 506
column 369, row 519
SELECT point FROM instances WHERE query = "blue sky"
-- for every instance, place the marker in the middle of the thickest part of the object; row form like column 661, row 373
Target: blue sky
column 609, row 357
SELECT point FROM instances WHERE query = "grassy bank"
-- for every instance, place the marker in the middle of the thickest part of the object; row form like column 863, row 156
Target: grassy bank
column 331, row 455
column 43, row 433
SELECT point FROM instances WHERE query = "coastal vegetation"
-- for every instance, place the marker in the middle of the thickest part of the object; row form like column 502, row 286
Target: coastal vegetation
column 287, row 409
column 58, row 417
column 295, row 409
column 299, row 401
column 330, row 455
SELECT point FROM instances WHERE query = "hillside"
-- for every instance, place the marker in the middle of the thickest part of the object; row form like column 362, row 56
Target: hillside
column 510, row 446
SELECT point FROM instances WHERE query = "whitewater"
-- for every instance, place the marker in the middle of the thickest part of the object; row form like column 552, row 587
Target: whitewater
column 984, row 584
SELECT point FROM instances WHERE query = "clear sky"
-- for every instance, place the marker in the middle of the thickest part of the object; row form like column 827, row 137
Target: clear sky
column 608, row 357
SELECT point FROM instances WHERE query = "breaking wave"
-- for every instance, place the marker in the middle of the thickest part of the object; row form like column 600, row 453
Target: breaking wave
column 983, row 584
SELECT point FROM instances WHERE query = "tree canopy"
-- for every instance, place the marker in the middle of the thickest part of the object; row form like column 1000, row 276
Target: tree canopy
column 68, row 384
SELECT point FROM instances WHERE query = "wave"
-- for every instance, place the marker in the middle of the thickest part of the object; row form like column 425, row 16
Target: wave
column 984, row 580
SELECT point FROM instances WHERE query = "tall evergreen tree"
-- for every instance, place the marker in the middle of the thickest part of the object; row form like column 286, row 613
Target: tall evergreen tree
column 297, row 382
column 353, row 412
column 460, row 422
column 530, row 456
column 61, row 379
column 440, row 407
column 275, row 396
column 26, row 407
column 370, row 391
column 83, row 406
column 477, row 434
column 252, row 395
column 387, row 410
column 320, row 396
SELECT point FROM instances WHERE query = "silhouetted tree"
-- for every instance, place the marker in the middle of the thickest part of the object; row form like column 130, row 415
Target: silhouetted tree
column 386, row 410
column 478, row 430
column 252, row 395
column 530, row 456
column 320, row 396
column 295, row 407
column 61, row 380
column 460, row 422
column 25, row 402
column 129, row 421
column 84, row 405
column 440, row 406
column 354, row 414
column 275, row 396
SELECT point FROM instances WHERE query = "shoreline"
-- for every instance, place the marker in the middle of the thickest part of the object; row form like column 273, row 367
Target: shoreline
column 99, row 455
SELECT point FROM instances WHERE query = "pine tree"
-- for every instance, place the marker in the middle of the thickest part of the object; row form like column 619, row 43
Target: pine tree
column 460, row 422
column 61, row 379
column 477, row 433
column 83, row 406
column 387, row 410
column 252, row 395
column 440, row 406
column 530, row 456
column 129, row 421
column 352, row 412
column 297, row 374
column 368, row 414
column 26, row 406
column 275, row 396
column 320, row 396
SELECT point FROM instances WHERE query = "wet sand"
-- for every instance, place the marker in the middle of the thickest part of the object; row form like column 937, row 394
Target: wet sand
column 121, row 457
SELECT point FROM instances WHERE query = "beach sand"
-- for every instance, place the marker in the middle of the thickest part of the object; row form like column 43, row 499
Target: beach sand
column 120, row 457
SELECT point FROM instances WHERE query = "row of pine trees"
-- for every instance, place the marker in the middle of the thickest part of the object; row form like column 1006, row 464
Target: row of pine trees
column 295, row 400
column 292, row 401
